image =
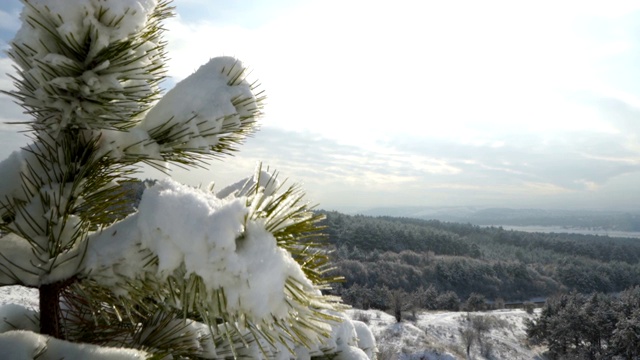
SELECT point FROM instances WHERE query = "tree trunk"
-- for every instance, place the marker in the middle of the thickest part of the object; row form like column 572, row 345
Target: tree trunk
column 50, row 313
column 398, row 314
column 50, row 310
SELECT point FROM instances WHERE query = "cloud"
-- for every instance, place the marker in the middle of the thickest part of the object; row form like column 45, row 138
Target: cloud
column 358, row 71
column 562, row 159
column 9, row 20
column 326, row 168
column 6, row 70
column 441, row 103
column 341, row 176
column 620, row 110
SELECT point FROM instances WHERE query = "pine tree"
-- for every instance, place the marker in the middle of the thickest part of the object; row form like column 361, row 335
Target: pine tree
column 243, row 275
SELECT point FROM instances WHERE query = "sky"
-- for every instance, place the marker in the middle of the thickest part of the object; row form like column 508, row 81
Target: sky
column 519, row 104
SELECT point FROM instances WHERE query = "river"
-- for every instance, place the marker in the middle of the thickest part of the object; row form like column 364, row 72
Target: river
column 567, row 230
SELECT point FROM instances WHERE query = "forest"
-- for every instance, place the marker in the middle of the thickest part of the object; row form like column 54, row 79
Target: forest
column 444, row 265
column 597, row 326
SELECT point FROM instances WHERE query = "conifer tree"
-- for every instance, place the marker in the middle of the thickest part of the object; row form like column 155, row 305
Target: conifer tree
column 191, row 273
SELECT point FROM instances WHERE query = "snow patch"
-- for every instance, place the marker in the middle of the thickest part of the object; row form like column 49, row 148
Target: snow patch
column 27, row 345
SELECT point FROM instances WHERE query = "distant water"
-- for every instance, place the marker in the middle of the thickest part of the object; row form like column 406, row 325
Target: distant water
column 567, row 230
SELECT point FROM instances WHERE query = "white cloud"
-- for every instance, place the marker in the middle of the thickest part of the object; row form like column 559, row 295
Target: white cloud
column 588, row 185
column 430, row 102
column 9, row 21
column 358, row 71
column 6, row 69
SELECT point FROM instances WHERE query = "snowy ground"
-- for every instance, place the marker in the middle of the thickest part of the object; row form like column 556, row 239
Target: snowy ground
column 19, row 295
column 435, row 335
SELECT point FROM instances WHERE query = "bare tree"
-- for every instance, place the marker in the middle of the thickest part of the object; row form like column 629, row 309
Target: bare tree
column 399, row 301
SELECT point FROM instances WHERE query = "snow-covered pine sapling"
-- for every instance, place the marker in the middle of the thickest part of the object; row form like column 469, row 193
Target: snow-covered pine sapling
column 191, row 273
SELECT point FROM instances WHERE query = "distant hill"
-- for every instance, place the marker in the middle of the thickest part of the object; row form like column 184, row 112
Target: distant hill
column 581, row 219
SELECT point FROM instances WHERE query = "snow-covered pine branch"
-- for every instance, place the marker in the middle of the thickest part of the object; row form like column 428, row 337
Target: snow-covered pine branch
column 89, row 64
column 208, row 113
column 193, row 239
column 190, row 273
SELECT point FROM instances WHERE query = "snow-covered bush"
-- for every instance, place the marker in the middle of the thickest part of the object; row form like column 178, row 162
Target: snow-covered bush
column 191, row 273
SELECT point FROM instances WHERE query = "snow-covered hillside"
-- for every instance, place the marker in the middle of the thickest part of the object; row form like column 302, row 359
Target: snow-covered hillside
column 435, row 335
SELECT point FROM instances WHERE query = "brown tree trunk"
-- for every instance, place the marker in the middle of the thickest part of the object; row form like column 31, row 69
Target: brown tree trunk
column 50, row 310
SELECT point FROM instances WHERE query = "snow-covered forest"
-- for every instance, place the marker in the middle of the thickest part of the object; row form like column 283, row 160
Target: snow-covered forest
column 442, row 264
column 191, row 273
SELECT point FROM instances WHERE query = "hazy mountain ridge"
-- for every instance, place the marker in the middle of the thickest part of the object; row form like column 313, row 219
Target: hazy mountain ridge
column 582, row 219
